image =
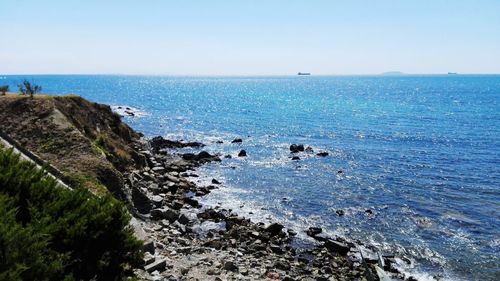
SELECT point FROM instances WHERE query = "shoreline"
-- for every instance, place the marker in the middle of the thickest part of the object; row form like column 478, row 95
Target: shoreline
column 204, row 243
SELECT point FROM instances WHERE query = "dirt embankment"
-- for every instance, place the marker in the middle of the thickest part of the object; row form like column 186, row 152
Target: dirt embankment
column 86, row 141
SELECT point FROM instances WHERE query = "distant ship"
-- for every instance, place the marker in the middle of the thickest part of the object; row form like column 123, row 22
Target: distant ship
column 452, row 73
column 303, row 73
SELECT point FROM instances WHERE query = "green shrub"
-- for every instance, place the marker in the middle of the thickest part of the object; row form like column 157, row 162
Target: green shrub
column 4, row 89
column 26, row 88
column 51, row 233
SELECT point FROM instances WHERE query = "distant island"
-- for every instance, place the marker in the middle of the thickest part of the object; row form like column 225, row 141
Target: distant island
column 392, row 73
column 304, row 73
column 452, row 73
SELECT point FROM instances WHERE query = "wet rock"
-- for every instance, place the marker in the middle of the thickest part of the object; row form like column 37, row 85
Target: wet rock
column 337, row 247
column 237, row 141
column 340, row 212
column 158, row 143
column 176, row 205
column 228, row 156
column 322, row 154
column 313, row 231
column 309, row 150
column 242, row 153
column 219, row 142
column 274, row 229
column 295, row 148
column 192, row 202
column 295, row 158
column 214, row 181
column 368, row 212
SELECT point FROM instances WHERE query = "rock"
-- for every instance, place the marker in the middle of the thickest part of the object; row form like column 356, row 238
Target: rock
column 183, row 219
column 242, row 153
column 282, row 264
column 337, row 247
column 158, row 169
column 204, row 154
column 322, row 154
column 140, row 201
column 309, row 150
column 214, row 181
column 158, row 143
column 158, row 265
column 148, row 258
column 274, row 229
column 192, row 202
column 148, row 244
column 340, row 212
column 219, row 142
column 164, row 213
column 368, row 212
column 294, row 148
column 230, row 266
column 313, row 231
column 291, row 232
column 295, row 158
column 237, row 141
column 157, row 201
column 216, row 244
column 176, row 205
column 228, row 156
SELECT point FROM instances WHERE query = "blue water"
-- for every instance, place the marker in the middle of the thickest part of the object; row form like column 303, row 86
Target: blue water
column 421, row 152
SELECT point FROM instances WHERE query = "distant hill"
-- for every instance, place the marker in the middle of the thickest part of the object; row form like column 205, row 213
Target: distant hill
column 393, row 73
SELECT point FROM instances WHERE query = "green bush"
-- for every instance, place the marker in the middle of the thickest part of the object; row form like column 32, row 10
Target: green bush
column 26, row 88
column 4, row 89
column 51, row 233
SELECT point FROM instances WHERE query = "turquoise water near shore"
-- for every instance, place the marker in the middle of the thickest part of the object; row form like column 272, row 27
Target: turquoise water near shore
column 422, row 153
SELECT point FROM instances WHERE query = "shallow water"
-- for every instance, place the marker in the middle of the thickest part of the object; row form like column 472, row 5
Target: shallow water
column 421, row 152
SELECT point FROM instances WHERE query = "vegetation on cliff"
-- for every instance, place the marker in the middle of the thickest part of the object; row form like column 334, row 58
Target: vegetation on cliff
column 86, row 141
column 51, row 233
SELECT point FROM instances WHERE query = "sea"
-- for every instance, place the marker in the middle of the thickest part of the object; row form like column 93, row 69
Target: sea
column 413, row 162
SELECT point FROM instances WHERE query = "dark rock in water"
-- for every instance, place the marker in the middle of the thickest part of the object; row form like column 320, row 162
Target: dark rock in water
column 340, row 172
column 228, row 156
column 291, row 232
column 369, row 212
column 159, row 142
column 202, row 157
column 313, row 231
column 141, row 201
column 309, row 150
column 214, row 181
column 295, row 158
column 204, row 154
column 322, row 154
column 340, row 212
column 189, row 156
column 274, row 229
column 242, row 153
column 237, row 141
column 337, row 247
column 219, row 142
column 192, row 202
column 295, row 148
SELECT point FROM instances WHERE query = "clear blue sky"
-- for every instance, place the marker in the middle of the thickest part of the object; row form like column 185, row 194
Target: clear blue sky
column 253, row 37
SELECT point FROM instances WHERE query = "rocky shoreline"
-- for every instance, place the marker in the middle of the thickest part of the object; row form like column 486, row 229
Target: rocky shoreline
column 187, row 241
